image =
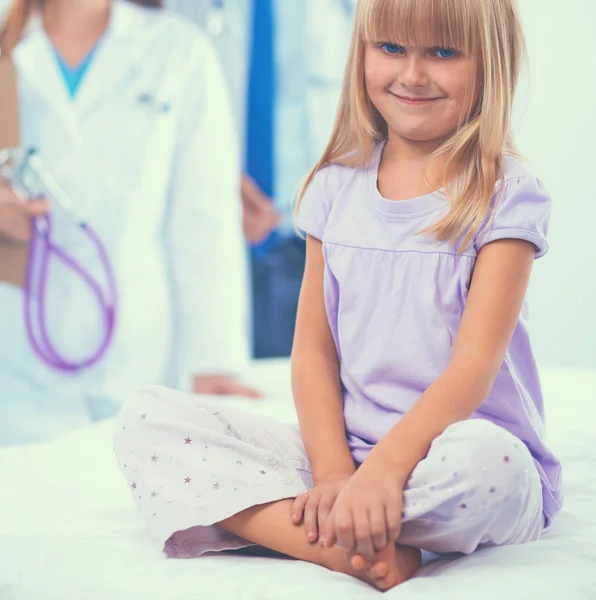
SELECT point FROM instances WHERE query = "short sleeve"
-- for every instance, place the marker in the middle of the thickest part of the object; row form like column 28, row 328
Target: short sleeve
column 523, row 212
column 316, row 203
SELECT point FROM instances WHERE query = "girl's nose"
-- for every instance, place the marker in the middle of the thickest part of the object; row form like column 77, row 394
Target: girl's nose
column 413, row 73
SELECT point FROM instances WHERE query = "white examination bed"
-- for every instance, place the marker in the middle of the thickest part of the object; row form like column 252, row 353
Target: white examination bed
column 69, row 530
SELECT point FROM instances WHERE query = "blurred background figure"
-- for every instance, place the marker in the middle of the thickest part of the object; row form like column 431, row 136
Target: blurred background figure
column 128, row 110
column 285, row 95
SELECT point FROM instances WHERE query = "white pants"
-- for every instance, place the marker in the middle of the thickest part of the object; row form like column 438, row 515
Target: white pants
column 190, row 464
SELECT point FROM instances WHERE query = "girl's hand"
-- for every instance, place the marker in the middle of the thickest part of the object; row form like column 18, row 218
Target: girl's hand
column 314, row 506
column 366, row 516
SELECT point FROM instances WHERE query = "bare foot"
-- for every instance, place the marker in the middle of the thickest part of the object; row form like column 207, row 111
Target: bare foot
column 391, row 566
column 268, row 525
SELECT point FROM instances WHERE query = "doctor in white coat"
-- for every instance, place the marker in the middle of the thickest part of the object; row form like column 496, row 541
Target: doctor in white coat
column 144, row 143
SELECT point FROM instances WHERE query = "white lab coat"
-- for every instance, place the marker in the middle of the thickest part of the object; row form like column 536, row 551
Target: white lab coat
column 161, row 189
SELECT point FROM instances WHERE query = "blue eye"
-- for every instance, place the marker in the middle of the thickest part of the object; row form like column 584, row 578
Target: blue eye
column 391, row 48
column 444, row 52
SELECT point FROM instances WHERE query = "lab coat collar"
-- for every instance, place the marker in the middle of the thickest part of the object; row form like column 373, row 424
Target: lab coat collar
column 120, row 50
column 37, row 67
column 125, row 18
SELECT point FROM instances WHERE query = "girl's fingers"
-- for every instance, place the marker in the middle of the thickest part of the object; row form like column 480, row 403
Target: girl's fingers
column 298, row 508
column 310, row 518
column 378, row 528
column 328, row 537
column 344, row 529
column 393, row 516
column 362, row 533
column 325, row 507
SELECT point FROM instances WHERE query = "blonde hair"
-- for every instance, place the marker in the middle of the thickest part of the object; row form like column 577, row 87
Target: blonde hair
column 490, row 29
column 18, row 17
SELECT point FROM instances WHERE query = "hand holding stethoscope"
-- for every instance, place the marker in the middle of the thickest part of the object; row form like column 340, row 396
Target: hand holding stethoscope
column 26, row 218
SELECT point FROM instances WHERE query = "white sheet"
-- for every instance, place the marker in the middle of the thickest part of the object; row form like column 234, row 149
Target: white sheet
column 69, row 530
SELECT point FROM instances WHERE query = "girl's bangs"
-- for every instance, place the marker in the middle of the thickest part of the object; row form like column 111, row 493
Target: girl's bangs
column 423, row 23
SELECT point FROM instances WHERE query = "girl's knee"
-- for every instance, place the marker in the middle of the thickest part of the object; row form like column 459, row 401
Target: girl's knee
column 477, row 431
column 498, row 448
column 487, row 453
column 155, row 410
column 151, row 408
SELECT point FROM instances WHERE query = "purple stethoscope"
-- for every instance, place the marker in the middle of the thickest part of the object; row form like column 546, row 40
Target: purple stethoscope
column 29, row 180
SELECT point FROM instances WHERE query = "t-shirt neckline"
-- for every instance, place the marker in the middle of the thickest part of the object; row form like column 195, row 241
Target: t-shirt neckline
column 399, row 208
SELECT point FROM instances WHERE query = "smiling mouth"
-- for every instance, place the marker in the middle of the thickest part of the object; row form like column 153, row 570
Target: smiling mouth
column 415, row 101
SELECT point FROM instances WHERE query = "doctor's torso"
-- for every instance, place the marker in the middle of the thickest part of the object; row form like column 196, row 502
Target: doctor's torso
column 111, row 150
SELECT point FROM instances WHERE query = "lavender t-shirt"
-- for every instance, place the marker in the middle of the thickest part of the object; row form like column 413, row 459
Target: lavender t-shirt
column 395, row 299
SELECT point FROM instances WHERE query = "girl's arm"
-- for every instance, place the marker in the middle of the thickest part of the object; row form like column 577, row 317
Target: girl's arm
column 492, row 311
column 315, row 376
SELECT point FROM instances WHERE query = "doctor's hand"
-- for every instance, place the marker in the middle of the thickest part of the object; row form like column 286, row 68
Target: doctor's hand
column 259, row 215
column 223, row 385
column 16, row 214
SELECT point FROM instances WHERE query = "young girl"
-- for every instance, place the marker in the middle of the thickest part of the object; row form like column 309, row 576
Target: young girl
column 420, row 409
